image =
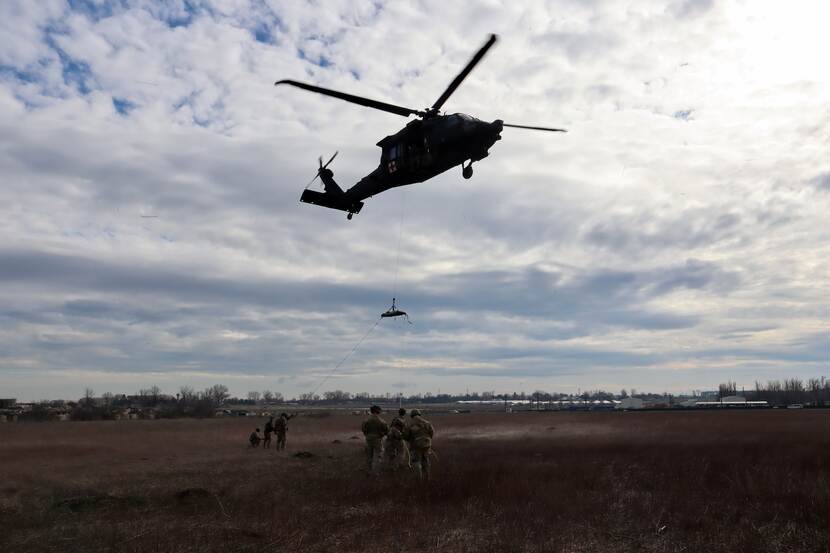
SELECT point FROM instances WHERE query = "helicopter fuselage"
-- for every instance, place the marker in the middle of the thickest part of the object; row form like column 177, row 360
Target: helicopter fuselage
column 426, row 148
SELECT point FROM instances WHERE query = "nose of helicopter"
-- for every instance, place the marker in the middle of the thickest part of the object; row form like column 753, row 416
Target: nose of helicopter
column 495, row 128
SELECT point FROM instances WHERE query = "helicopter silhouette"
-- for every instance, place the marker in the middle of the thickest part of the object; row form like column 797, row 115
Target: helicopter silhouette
column 424, row 148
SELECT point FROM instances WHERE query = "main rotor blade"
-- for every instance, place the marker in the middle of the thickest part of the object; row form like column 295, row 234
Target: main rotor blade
column 464, row 72
column 383, row 106
column 534, row 128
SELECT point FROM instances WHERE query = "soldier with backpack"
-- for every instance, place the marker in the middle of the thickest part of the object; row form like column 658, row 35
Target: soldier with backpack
column 254, row 439
column 396, row 452
column 419, row 434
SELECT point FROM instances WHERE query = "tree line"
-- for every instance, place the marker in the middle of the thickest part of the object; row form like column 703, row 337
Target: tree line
column 813, row 391
column 189, row 402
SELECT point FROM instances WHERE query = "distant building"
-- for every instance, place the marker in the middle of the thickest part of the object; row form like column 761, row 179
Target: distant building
column 730, row 402
column 630, row 403
column 733, row 399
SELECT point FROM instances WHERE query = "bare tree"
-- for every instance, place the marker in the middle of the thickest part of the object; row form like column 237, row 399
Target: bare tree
column 793, row 390
column 728, row 389
column 187, row 394
column 107, row 397
column 217, row 393
column 150, row 395
column 337, row 395
column 267, row 396
column 254, row 396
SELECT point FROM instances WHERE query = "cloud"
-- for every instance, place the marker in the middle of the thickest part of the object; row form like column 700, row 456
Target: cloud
column 821, row 182
column 691, row 8
column 664, row 240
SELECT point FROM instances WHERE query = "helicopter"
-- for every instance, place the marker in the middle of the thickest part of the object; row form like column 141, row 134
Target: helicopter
column 424, row 148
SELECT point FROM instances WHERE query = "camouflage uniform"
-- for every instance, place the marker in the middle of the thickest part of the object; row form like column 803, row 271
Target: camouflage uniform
column 255, row 438
column 374, row 429
column 396, row 451
column 281, row 428
column 268, row 430
column 419, row 434
column 399, row 419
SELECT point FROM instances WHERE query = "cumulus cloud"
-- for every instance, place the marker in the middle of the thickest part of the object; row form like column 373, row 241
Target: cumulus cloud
column 150, row 228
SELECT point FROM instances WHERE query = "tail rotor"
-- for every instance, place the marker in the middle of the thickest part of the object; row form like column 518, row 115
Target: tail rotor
column 321, row 168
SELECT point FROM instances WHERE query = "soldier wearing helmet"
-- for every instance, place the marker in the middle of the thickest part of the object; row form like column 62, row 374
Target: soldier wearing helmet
column 396, row 450
column 419, row 434
column 401, row 416
column 374, row 429
column 281, row 429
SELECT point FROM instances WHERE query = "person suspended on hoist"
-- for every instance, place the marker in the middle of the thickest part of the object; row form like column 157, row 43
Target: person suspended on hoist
column 395, row 312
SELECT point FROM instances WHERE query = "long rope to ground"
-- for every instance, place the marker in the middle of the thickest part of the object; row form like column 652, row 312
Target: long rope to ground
column 354, row 349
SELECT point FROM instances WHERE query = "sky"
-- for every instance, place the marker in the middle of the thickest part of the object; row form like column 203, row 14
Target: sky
column 151, row 233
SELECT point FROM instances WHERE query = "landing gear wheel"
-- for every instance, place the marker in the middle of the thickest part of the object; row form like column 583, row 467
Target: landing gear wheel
column 467, row 171
column 349, row 216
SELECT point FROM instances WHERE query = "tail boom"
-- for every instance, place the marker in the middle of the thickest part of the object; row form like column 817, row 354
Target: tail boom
column 332, row 201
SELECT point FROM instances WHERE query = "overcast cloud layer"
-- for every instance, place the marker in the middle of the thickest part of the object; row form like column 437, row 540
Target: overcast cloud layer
column 150, row 231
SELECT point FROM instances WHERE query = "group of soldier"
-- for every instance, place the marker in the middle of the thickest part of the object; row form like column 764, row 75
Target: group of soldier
column 400, row 443
column 278, row 427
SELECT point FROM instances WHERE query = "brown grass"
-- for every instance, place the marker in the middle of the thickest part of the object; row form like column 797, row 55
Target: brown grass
column 706, row 481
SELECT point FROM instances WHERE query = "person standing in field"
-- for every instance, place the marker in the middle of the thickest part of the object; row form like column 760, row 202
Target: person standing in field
column 255, row 438
column 395, row 450
column 401, row 417
column 281, row 428
column 269, row 429
column 419, row 434
column 374, row 429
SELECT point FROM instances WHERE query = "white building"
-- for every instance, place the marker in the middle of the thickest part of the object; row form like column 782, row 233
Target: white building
column 630, row 403
column 733, row 399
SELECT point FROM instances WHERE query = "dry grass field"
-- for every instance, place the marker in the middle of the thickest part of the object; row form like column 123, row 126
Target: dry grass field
column 657, row 481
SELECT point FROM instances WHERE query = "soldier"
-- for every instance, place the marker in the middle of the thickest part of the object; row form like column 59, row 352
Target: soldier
column 269, row 429
column 395, row 451
column 419, row 434
column 255, row 438
column 374, row 429
column 281, row 428
column 401, row 417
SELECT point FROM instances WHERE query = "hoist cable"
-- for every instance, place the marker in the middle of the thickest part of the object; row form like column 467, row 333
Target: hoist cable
column 400, row 235
column 354, row 349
